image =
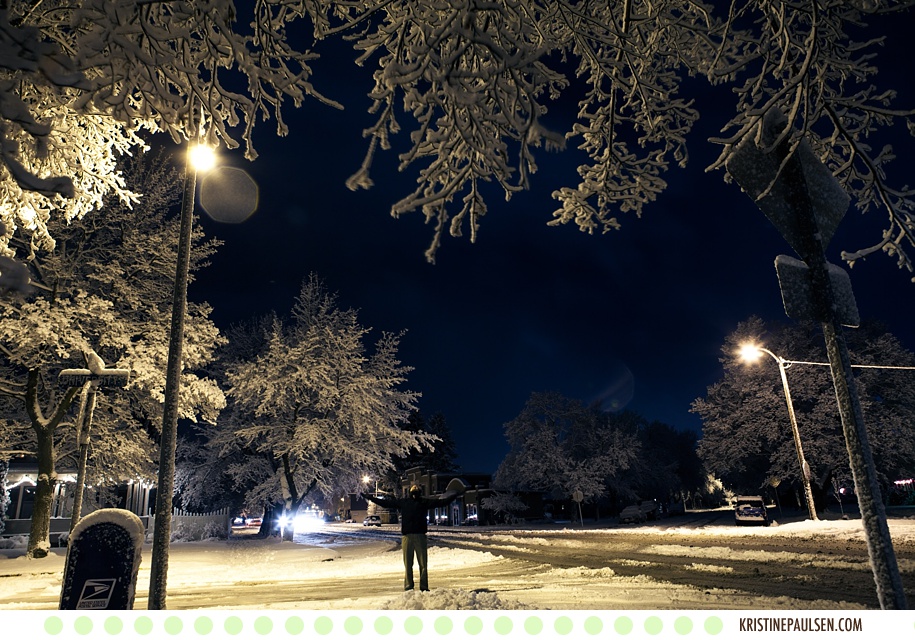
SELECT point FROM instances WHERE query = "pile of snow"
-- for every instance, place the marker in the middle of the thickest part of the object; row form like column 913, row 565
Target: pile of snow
column 14, row 542
column 451, row 599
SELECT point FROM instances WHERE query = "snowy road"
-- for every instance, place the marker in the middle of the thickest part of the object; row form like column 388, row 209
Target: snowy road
column 694, row 562
column 704, row 553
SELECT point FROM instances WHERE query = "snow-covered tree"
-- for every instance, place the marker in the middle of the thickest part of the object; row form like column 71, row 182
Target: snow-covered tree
column 559, row 446
column 504, row 504
column 439, row 456
column 746, row 436
column 311, row 409
column 105, row 287
column 82, row 79
column 473, row 81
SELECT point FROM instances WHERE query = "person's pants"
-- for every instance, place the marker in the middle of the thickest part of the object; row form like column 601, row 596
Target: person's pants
column 415, row 544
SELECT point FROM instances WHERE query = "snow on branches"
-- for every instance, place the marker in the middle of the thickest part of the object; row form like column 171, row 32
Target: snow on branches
column 476, row 76
column 81, row 79
column 310, row 406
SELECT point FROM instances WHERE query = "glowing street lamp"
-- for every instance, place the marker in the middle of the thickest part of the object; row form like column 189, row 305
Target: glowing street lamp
column 202, row 157
column 752, row 353
column 199, row 159
column 367, row 479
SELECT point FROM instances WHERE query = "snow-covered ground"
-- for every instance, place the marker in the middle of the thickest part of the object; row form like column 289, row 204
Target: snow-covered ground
column 269, row 574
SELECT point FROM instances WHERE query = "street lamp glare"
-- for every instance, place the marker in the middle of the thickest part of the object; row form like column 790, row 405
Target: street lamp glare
column 366, row 479
column 202, row 157
column 750, row 352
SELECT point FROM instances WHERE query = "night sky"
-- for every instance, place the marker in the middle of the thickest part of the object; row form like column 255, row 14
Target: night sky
column 633, row 318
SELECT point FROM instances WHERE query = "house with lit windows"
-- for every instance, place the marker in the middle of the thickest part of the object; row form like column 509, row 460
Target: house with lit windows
column 136, row 496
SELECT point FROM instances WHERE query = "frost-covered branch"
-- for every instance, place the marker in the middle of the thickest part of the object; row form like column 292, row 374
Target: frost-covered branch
column 476, row 78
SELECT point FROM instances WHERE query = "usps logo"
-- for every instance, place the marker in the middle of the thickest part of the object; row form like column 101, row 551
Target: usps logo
column 96, row 593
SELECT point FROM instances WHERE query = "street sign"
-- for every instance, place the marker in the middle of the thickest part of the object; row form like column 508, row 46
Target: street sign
column 578, row 496
column 758, row 172
column 104, row 378
column 103, row 559
column 794, row 281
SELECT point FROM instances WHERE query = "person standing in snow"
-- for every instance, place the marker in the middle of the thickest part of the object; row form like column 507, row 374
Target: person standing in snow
column 413, row 526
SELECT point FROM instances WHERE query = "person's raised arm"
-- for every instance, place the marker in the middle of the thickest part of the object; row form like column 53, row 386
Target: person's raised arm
column 447, row 497
column 381, row 502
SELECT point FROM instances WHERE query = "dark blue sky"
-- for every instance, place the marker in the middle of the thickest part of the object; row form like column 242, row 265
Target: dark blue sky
column 635, row 317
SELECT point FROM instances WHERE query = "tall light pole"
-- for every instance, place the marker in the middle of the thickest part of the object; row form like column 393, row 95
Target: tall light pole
column 751, row 353
column 197, row 160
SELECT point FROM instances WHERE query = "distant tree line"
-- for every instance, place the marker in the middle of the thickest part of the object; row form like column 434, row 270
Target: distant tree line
column 559, row 445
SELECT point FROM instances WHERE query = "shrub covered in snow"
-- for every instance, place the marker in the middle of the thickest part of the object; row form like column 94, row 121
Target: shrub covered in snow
column 194, row 529
column 14, row 542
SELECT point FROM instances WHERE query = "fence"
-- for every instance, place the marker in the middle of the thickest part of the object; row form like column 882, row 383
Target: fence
column 186, row 526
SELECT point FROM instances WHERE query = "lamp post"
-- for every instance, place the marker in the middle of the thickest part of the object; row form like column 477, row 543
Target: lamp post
column 752, row 352
column 198, row 159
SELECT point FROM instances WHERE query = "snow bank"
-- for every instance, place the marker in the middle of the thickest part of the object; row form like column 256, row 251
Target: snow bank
column 453, row 599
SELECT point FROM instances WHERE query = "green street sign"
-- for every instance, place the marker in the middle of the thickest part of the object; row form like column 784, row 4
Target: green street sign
column 111, row 378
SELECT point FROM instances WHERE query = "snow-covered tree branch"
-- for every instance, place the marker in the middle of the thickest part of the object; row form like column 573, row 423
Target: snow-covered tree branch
column 80, row 80
column 470, row 82
column 477, row 78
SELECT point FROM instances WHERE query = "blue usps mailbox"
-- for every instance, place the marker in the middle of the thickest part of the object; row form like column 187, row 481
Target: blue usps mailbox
column 103, row 559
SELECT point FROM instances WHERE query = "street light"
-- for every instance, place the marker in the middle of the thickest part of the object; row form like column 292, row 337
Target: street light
column 198, row 160
column 751, row 353
column 367, row 479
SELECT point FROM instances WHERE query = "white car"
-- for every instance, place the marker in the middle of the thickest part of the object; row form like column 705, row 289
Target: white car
column 372, row 521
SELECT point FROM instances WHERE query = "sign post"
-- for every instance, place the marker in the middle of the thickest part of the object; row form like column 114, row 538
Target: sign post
column 103, row 559
column 578, row 496
column 805, row 202
column 89, row 380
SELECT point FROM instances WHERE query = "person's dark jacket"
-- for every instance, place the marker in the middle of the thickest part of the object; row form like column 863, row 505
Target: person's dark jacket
column 413, row 511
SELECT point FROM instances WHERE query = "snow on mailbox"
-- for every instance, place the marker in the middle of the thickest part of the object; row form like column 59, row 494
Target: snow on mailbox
column 103, row 559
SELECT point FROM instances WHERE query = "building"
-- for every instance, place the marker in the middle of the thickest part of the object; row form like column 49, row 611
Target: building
column 136, row 496
column 466, row 509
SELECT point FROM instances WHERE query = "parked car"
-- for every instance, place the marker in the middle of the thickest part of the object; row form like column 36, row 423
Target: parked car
column 372, row 521
column 633, row 514
column 651, row 509
column 750, row 510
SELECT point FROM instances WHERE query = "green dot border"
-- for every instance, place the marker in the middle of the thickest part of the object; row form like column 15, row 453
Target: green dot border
column 427, row 625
